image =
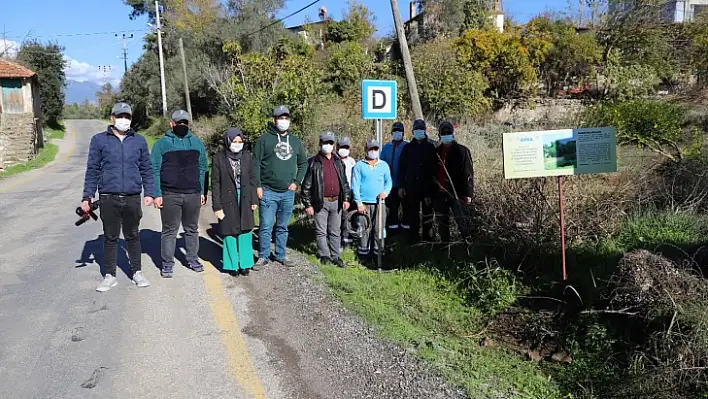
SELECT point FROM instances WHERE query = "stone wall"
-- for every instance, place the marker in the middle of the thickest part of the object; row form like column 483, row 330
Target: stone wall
column 19, row 138
column 536, row 110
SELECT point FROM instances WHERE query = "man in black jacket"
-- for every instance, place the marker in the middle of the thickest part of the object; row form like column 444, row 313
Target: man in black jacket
column 325, row 192
column 415, row 177
column 454, row 183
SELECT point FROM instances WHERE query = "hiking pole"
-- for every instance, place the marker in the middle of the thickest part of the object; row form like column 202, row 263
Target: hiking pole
column 380, row 225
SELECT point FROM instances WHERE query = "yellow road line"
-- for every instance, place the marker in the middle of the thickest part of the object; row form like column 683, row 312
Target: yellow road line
column 31, row 176
column 236, row 349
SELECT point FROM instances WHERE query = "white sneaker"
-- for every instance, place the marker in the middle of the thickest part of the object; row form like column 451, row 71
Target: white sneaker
column 140, row 280
column 108, row 282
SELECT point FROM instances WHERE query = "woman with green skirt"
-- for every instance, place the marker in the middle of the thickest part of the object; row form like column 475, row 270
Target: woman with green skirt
column 234, row 198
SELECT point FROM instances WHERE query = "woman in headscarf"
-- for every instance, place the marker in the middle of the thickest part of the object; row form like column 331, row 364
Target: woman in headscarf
column 234, row 198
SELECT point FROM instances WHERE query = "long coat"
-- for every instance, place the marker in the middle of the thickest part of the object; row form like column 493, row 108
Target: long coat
column 237, row 219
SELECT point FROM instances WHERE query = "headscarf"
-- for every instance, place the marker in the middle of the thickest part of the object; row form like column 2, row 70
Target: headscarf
column 229, row 137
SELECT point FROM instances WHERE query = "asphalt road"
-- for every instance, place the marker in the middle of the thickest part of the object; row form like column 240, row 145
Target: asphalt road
column 274, row 334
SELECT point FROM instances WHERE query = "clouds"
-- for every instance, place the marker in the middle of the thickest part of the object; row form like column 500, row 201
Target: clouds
column 85, row 72
column 9, row 48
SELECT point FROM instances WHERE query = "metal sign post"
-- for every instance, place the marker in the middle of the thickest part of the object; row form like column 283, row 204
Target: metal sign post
column 561, row 205
column 380, row 225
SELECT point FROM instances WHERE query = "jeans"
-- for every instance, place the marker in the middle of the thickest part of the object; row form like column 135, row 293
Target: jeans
column 274, row 211
column 121, row 211
column 328, row 225
column 442, row 205
column 176, row 209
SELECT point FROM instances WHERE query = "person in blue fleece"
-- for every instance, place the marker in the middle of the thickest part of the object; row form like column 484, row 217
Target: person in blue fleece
column 371, row 182
column 180, row 164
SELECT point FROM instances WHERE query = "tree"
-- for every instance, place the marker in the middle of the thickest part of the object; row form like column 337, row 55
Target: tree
column 347, row 64
column 47, row 61
column 452, row 17
column 357, row 25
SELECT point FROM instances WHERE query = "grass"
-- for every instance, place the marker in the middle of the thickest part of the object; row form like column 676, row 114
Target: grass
column 54, row 133
column 151, row 140
column 46, row 155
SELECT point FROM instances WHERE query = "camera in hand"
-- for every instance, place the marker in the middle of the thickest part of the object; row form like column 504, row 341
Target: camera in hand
column 85, row 216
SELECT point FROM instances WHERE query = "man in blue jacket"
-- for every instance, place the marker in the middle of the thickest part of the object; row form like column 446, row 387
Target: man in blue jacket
column 180, row 164
column 119, row 167
column 391, row 154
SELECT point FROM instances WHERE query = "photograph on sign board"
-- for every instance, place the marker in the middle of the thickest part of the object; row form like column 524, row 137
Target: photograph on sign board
column 560, row 151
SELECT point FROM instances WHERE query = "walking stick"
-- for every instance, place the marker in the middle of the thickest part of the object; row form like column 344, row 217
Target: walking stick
column 380, row 224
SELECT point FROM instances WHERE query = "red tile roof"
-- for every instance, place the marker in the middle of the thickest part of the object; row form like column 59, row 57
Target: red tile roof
column 9, row 69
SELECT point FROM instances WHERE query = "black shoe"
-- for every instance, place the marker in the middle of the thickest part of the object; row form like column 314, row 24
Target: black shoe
column 245, row 272
column 325, row 260
column 260, row 263
column 338, row 262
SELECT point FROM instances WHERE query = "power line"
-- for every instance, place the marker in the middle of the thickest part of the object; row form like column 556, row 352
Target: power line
column 89, row 33
column 284, row 18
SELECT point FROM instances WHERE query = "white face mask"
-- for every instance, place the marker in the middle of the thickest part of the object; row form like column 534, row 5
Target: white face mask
column 283, row 124
column 236, row 147
column 374, row 154
column 419, row 134
column 327, row 148
column 397, row 136
column 122, row 124
column 343, row 152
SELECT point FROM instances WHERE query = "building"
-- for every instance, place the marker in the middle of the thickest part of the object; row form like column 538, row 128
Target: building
column 684, row 10
column 20, row 114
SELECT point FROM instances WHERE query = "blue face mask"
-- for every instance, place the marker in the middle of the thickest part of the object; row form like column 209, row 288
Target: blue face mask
column 447, row 139
column 419, row 134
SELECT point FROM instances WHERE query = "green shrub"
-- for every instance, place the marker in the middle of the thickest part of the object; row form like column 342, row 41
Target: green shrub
column 650, row 230
column 491, row 288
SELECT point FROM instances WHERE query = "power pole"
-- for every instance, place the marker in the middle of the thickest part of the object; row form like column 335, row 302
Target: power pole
column 105, row 69
column 125, row 53
column 162, row 61
column 186, row 81
column 407, row 63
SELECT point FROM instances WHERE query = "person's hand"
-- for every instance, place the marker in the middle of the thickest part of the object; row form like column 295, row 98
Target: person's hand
column 86, row 206
column 383, row 196
column 203, row 199
column 427, row 201
column 220, row 214
column 259, row 191
column 254, row 207
column 401, row 192
column 158, row 202
column 362, row 209
column 149, row 201
column 345, row 205
column 466, row 200
column 310, row 211
column 293, row 187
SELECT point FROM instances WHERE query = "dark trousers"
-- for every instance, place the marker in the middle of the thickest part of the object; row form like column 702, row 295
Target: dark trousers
column 444, row 205
column 393, row 203
column 176, row 209
column 413, row 205
column 370, row 239
column 346, row 240
column 118, row 212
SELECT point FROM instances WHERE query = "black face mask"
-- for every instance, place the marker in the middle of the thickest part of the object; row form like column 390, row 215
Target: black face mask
column 180, row 130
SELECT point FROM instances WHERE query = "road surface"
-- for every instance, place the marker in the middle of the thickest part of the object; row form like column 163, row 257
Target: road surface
column 275, row 334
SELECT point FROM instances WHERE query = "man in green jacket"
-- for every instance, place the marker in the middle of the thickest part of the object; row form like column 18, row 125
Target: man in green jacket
column 280, row 163
column 180, row 164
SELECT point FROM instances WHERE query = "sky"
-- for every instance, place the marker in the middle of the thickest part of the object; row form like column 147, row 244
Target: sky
column 87, row 29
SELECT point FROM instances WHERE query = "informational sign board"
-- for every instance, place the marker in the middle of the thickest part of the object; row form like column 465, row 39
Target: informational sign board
column 560, row 152
column 379, row 99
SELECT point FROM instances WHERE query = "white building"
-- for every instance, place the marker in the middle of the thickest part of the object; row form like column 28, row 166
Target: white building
column 684, row 10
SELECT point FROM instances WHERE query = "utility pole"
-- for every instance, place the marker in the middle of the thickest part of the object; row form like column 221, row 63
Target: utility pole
column 186, row 81
column 162, row 61
column 125, row 53
column 407, row 63
column 105, row 69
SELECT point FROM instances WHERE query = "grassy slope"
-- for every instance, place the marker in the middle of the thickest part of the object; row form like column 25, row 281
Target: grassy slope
column 45, row 156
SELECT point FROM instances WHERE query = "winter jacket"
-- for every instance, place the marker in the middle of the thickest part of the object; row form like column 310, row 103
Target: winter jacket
column 180, row 164
column 313, row 184
column 279, row 161
column 391, row 154
column 459, row 171
column 417, row 167
column 118, row 167
column 238, row 215
column 370, row 181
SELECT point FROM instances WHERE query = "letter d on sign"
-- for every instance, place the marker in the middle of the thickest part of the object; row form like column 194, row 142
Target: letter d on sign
column 378, row 100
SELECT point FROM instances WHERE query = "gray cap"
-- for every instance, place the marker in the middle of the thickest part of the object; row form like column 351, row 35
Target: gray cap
column 180, row 115
column 281, row 110
column 373, row 143
column 328, row 136
column 345, row 142
column 121, row 108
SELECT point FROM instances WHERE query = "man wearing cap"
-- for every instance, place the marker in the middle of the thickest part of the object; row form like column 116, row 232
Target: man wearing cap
column 371, row 182
column 280, row 163
column 343, row 150
column 325, row 192
column 118, row 166
column 453, row 183
column 180, row 164
column 391, row 154
column 415, row 175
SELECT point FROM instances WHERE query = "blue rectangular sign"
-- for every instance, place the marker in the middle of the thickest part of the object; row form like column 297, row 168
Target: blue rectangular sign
column 379, row 99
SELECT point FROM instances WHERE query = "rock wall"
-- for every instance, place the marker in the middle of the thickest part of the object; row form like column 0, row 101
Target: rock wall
column 19, row 139
column 536, row 110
